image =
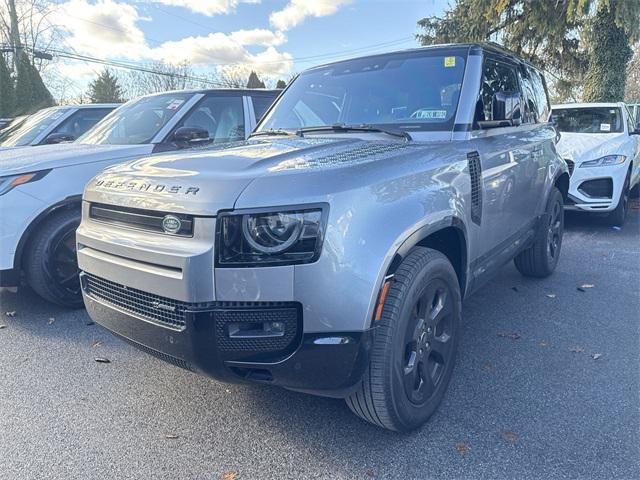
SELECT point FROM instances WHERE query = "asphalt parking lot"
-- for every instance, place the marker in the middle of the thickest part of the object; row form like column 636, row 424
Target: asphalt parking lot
column 546, row 386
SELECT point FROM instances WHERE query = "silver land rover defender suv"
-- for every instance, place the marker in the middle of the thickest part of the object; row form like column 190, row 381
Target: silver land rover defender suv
column 331, row 251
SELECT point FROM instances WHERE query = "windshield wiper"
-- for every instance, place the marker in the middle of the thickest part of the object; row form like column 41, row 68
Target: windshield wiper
column 272, row 132
column 341, row 127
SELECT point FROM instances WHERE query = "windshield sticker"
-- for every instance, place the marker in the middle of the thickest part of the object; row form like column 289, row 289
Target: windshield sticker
column 449, row 61
column 605, row 127
column 430, row 114
column 174, row 104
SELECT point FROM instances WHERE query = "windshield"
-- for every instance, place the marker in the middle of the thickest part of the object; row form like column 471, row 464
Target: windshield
column 24, row 130
column 408, row 91
column 588, row 120
column 136, row 122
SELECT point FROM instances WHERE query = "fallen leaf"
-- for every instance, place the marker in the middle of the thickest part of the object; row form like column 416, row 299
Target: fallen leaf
column 488, row 366
column 462, row 448
column 96, row 344
column 544, row 343
column 511, row 335
column 102, row 360
column 551, row 295
column 587, row 285
column 580, row 289
column 370, row 473
column 510, row 437
column 515, row 289
column 10, row 314
column 171, row 436
column 89, row 323
column 51, row 320
column 229, row 475
column 596, row 356
column 576, row 349
column 2, row 326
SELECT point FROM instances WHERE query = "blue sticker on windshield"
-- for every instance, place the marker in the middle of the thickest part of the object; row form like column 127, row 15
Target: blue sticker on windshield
column 425, row 114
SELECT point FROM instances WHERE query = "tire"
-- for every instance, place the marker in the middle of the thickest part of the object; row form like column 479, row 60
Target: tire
column 618, row 216
column 50, row 262
column 541, row 259
column 411, row 359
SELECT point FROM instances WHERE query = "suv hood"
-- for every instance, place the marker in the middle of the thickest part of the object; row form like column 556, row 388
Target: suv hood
column 29, row 159
column 589, row 146
column 202, row 182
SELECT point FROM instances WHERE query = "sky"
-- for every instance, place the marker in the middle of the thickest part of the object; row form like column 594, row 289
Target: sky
column 276, row 38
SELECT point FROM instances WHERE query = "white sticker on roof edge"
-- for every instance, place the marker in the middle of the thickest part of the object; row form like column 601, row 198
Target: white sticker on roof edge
column 175, row 104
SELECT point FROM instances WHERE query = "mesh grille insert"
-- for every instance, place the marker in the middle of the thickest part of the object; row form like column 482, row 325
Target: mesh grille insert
column 147, row 305
column 475, row 174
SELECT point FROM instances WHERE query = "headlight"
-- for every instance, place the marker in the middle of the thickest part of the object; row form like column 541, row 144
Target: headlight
column 285, row 237
column 9, row 183
column 604, row 161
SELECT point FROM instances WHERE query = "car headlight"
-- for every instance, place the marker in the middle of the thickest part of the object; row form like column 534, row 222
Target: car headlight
column 605, row 161
column 284, row 237
column 9, row 183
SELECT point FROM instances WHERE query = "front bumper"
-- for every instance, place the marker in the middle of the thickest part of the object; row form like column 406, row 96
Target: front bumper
column 579, row 197
column 329, row 364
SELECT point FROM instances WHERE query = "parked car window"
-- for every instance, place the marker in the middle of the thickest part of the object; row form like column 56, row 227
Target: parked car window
column 496, row 77
column 260, row 104
column 136, row 122
column 222, row 117
column 81, row 121
column 588, row 120
column 541, row 94
column 415, row 91
column 530, row 110
column 25, row 130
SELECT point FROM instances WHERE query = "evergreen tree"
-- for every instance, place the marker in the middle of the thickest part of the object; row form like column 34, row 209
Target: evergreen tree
column 105, row 89
column 31, row 94
column 7, row 91
column 609, row 54
column 281, row 84
column 254, row 81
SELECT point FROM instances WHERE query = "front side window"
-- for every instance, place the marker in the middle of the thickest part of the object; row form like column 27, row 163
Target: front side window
column 136, row 122
column 222, row 117
column 25, row 130
column 408, row 91
column 588, row 120
column 496, row 77
column 81, row 121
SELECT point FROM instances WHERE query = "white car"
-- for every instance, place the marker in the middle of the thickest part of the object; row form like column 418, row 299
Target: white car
column 53, row 125
column 601, row 144
column 41, row 187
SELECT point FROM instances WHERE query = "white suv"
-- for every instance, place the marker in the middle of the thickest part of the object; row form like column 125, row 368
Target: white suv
column 41, row 187
column 601, row 144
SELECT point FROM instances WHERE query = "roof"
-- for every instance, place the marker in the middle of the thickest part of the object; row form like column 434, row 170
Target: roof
column 588, row 105
column 241, row 91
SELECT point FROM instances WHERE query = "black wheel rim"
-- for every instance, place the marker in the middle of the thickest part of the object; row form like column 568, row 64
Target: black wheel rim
column 62, row 264
column 428, row 342
column 554, row 236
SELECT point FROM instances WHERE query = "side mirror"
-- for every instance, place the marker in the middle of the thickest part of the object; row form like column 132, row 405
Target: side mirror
column 54, row 138
column 506, row 108
column 191, row 135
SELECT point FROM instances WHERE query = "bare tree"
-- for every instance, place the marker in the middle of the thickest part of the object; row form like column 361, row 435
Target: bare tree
column 158, row 77
column 632, row 88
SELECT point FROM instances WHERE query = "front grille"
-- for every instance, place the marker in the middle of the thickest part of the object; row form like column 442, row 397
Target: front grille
column 147, row 305
column 570, row 165
column 599, row 188
column 140, row 219
column 178, row 362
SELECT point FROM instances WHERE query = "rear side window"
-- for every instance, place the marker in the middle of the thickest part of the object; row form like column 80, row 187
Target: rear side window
column 496, row 77
column 530, row 110
column 540, row 92
column 260, row 104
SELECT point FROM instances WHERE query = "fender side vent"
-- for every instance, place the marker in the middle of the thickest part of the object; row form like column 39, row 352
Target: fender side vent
column 475, row 174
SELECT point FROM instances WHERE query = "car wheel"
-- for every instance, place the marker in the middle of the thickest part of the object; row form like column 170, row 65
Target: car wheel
column 541, row 259
column 415, row 344
column 618, row 216
column 50, row 263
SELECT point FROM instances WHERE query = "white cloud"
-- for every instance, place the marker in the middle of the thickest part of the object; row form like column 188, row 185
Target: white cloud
column 297, row 10
column 259, row 36
column 207, row 7
column 104, row 29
